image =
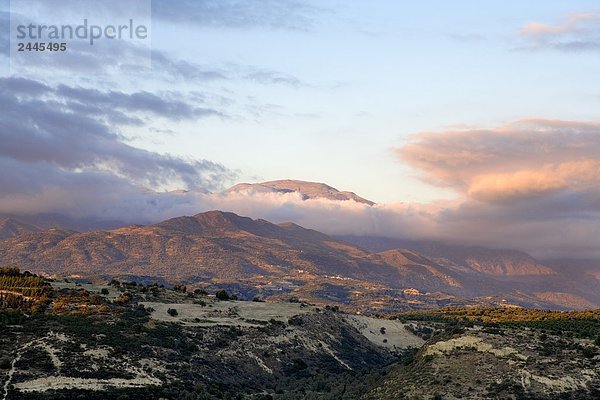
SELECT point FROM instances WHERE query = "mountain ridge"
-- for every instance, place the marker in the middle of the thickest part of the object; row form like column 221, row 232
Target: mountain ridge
column 259, row 257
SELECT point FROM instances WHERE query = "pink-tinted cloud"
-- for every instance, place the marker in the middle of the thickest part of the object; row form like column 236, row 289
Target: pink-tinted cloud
column 572, row 23
column 531, row 184
column 523, row 159
column 577, row 32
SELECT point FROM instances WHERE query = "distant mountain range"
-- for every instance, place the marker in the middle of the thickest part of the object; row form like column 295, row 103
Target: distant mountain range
column 308, row 190
column 10, row 227
column 258, row 258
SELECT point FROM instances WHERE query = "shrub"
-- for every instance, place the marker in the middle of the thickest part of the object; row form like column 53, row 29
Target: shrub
column 172, row 312
column 180, row 288
column 104, row 291
column 122, row 299
column 222, row 295
column 9, row 271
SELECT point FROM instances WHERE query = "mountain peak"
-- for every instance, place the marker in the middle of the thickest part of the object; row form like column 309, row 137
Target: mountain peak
column 214, row 220
column 308, row 190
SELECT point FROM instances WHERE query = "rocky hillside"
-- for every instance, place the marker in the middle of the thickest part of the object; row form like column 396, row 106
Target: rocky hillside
column 500, row 353
column 127, row 340
column 146, row 342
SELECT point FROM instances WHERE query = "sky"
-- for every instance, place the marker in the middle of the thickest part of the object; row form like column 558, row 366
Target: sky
column 463, row 120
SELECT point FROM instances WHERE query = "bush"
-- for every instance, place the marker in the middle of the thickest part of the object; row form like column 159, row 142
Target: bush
column 10, row 271
column 180, row 288
column 172, row 312
column 222, row 295
column 124, row 298
column 104, row 291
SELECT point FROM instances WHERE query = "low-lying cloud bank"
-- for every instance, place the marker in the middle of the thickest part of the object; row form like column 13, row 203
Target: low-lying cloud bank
column 466, row 222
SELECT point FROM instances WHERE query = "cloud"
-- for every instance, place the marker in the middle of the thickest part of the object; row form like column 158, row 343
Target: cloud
column 578, row 32
column 523, row 159
column 61, row 153
column 531, row 184
column 266, row 76
column 546, row 228
column 137, row 63
column 170, row 108
column 236, row 14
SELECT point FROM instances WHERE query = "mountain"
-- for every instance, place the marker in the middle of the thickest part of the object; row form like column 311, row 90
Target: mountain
column 10, row 227
column 494, row 262
column 279, row 262
column 308, row 190
column 39, row 221
column 209, row 245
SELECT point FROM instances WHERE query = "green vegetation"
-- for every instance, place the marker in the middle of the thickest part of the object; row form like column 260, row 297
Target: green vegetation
column 172, row 312
column 222, row 295
column 583, row 324
column 22, row 291
column 180, row 288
